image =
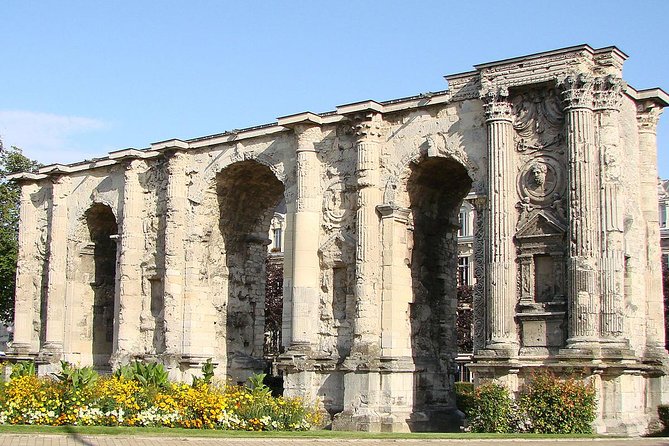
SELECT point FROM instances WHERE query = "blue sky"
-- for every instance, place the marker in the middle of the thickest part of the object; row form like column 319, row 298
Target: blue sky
column 82, row 78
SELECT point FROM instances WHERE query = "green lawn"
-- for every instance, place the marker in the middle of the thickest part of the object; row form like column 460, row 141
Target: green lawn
column 179, row 432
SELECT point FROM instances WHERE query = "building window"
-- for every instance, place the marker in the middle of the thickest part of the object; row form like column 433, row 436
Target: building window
column 464, row 223
column 277, row 240
column 463, row 271
column 663, row 215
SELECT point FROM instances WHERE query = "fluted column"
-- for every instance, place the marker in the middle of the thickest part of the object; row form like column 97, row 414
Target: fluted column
column 501, row 266
column 306, row 267
column 368, row 253
column 607, row 101
column 584, row 213
column 27, row 272
column 175, row 221
column 129, row 295
column 648, row 114
column 57, row 259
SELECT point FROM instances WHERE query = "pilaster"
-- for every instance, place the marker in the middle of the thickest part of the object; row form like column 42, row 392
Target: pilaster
column 306, row 269
column 396, row 279
column 129, row 301
column 648, row 114
column 56, row 275
column 175, row 230
column 584, row 215
column 501, row 266
column 27, row 273
column 607, row 98
column 368, row 256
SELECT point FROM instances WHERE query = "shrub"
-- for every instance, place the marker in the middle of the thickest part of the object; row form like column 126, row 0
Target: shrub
column 207, row 374
column 557, row 406
column 147, row 374
column 24, row 368
column 464, row 397
column 76, row 378
column 492, row 409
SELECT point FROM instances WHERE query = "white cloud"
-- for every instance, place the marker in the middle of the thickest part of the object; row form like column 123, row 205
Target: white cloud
column 48, row 138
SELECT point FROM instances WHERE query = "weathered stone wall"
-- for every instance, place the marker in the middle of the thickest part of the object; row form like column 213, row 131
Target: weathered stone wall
column 159, row 254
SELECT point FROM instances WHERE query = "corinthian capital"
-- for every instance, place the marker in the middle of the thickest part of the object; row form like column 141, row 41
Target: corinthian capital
column 496, row 103
column 607, row 92
column 577, row 91
column 369, row 128
column 307, row 137
column 647, row 116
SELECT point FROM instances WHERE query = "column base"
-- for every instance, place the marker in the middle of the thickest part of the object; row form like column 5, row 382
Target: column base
column 656, row 354
column 587, row 347
column 499, row 350
column 20, row 348
column 51, row 353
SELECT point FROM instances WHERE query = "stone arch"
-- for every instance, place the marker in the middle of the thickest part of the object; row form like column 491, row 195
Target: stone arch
column 435, row 187
column 247, row 194
column 398, row 178
column 94, row 269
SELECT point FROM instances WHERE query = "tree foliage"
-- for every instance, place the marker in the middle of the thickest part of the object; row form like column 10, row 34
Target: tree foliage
column 273, row 305
column 465, row 319
column 11, row 161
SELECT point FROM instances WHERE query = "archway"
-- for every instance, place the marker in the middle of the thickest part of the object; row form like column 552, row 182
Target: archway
column 248, row 195
column 436, row 188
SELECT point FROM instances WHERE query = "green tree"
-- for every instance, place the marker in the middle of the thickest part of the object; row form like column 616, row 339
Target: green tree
column 11, row 161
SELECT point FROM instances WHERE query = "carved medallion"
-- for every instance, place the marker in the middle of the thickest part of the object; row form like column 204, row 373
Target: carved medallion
column 540, row 180
column 336, row 203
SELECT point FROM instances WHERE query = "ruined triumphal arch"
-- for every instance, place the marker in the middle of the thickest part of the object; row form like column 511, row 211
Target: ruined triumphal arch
column 160, row 253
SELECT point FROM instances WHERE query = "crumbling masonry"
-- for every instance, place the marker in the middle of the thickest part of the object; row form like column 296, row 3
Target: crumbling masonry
column 160, row 253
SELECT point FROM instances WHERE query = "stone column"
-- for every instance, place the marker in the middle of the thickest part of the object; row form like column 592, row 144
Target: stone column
column 607, row 101
column 175, row 229
column 367, row 329
column 648, row 114
column 28, row 277
column 363, row 380
column 501, row 274
column 306, row 265
column 129, row 294
column 584, row 214
column 56, row 275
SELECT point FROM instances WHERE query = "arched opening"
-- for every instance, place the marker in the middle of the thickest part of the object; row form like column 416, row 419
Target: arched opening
column 249, row 196
column 436, row 188
column 102, row 228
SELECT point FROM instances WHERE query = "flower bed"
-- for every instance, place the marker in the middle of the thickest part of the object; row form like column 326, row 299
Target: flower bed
column 122, row 401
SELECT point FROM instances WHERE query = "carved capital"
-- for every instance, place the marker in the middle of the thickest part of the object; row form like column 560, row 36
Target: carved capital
column 307, row 136
column 607, row 92
column 647, row 116
column 368, row 128
column 577, row 91
column 175, row 160
column 496, row 104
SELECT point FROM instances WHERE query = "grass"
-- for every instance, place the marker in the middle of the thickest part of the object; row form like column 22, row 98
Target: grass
column 179, row 432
